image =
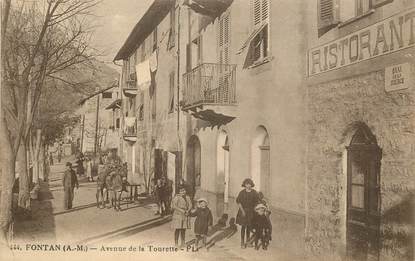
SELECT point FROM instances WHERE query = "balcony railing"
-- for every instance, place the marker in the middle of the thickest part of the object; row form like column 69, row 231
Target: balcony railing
column 210, row 83
column 130, row 126
column 132, row 81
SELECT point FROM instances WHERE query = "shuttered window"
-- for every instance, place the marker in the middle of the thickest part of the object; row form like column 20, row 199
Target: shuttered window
column 155, row 39
column 333, row 12
column 172, row 32
column 327, row 15
column 260, row 11
column 171, row 93
column 224, row 38
column 259, row 40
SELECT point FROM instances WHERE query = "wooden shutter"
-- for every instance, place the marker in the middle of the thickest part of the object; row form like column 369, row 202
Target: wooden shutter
column 171, row 92
column 327, row 15
column 188, row 57
column 379, row 3
column 265, row 10
column 260, row 12
column 257, row 12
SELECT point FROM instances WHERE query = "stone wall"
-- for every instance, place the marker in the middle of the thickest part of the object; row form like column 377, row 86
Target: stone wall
column 334, row 108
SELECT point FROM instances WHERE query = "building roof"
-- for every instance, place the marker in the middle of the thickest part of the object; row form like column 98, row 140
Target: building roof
column 151, row 18
column 114, row 105
column 115, row 84
column 212, row 8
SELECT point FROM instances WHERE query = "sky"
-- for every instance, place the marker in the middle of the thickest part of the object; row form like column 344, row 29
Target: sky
column 115, row 20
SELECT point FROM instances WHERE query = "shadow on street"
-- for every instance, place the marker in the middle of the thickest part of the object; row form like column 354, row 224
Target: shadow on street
column 127, row 231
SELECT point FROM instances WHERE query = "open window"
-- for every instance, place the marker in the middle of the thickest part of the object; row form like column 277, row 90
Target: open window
column 258, row 41
column 332, row 13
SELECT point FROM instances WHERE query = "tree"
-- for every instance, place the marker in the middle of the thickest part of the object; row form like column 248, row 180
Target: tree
column 40, row 41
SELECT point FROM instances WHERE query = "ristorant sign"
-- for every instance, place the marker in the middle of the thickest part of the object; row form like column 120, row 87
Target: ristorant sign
column 389, row 35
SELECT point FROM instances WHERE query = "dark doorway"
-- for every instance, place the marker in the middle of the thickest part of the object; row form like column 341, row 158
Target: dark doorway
column 363, row 196
column 193, row 156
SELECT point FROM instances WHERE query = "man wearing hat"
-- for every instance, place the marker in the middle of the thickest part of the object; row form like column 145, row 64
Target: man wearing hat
column 69, row 182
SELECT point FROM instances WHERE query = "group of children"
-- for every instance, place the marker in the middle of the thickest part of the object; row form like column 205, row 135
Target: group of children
column 253, row 216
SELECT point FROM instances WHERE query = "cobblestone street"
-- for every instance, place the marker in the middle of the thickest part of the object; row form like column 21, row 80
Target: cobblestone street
column 107, row 232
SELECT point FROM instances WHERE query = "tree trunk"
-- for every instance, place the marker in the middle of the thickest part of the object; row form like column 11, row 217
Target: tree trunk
column 34, row 153
column 41, row 161
column 7, row 164
column 24, row 182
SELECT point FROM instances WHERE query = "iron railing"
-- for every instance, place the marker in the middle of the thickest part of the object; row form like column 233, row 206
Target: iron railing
column 210, row 83
column 130, row 126
column 131, row 82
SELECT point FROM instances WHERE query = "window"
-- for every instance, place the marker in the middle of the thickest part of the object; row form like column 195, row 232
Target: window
column 141, row 107
column 117, row 123
column 171, row 93
column 172, row 33
column 107, row 95
column 143, row 51
column 332, row 13
column 197, row 50
column 141, row 113
column 363, row 194
column 155, row 39
column 154, row 103
column 353, row 8
column 224, row 38
column 259, row 39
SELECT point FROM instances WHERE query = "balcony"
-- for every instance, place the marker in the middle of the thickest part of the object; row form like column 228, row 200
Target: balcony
column 130, row 129
column 210, row 92
column 131, row 89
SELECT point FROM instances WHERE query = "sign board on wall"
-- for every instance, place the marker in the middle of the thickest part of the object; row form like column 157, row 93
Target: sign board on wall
column 385, row 37
column 398, row 77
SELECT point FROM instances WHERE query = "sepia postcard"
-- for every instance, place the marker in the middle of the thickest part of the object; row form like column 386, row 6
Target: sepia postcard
column 207, row 130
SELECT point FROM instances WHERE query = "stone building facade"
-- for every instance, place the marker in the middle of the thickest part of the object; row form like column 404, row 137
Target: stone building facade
column 360, row 130
column 307, row 99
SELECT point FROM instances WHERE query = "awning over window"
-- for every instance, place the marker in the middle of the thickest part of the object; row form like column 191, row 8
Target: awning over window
column 114, row 105
column 213, row 8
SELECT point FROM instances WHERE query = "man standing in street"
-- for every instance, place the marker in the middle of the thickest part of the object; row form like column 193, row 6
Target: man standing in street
column 69, row 182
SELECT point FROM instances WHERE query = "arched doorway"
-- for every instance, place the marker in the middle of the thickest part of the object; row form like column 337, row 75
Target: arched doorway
column 193, row 155
column 260, row 161
column 363, row 195
column 222, row 171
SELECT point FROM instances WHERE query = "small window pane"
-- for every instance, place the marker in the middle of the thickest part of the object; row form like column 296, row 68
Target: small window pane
column 358, row 196
column 107, row 95
column 358, row 175
column 373, row 188
column 347, row 9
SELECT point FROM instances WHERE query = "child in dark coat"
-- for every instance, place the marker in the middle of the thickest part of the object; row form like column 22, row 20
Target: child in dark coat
column 203, row 221
column 262, row 226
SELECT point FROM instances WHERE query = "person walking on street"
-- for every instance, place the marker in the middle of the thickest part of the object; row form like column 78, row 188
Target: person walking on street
column 203, row 221
column 160, row 196
column 89, row 169
column 80, row 164
column 181, row 205
column 69, row 181
column 50, row 158
column 247, row 200
column 168, row 188
column 60, row 153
